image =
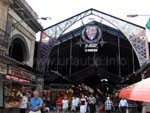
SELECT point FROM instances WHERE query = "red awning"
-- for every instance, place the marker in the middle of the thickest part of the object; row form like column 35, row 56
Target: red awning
column 139, row 91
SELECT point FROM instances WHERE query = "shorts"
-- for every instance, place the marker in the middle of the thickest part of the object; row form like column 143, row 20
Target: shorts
column 59, row 107
column 35, row 112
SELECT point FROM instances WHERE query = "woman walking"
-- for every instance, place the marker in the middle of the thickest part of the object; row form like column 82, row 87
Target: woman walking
column 83, row 104
column 65, row 104
column 23, row 103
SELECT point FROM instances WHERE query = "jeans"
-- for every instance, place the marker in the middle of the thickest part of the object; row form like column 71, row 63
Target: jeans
column 92, row 108
column 108, row 111
column 22, row 110
column 123, row 109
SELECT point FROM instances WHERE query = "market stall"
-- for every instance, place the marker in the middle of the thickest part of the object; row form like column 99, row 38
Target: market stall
column 16, row 81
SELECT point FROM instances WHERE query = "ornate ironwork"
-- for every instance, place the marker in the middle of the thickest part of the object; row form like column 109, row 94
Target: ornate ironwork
column 134, row 33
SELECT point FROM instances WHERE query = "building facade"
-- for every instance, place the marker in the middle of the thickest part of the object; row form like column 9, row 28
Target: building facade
column 18, row 27
column 23, row 30
column 4, row 4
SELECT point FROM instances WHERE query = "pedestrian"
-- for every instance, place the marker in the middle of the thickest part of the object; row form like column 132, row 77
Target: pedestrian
column 65, row 104
column 73, row 104
column 77, row 100
column 123, row 105
column 146, row 107
column 47, row 105
column 97, row 104
column 23, row 103
column 35, row 103
column 109, row 105
column 59, row 104
column 83, row 105
column 92, row 102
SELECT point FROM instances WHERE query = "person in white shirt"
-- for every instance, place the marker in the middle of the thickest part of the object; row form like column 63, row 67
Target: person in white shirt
column 123, row 105
column 83, row 104
column 23, row 103
column 73, row 104
column 77, row 100
column 65, row 104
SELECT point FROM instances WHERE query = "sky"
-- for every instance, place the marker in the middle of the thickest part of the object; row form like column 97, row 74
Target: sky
column 59, row 10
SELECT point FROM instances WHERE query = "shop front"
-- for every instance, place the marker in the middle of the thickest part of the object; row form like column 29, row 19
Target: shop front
column 3, row 71
column 15, row 83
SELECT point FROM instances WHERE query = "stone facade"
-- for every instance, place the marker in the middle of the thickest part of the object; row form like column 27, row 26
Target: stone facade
column 17, row 22
column 4, row 4
column 24, row 27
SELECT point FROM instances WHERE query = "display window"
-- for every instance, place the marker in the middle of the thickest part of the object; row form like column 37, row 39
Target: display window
column 13, row 94
column 16, row 82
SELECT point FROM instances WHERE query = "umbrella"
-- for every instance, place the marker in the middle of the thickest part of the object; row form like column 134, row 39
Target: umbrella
column 138, row 92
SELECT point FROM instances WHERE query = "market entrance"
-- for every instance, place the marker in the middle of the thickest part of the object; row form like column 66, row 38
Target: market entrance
column 93, row 48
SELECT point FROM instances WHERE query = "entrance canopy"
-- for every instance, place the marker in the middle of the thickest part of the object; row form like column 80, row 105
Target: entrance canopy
column 50, row 36
column 60, row 39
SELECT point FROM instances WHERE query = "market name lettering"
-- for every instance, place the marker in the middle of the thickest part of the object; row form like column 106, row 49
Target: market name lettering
column 21, row 74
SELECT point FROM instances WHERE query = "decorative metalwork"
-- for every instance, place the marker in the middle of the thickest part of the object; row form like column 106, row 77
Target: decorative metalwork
column 51, row 35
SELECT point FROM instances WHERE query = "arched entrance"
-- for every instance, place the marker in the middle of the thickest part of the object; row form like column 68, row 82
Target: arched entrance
column 71, row 59
column 18, row 49
column 59, row 34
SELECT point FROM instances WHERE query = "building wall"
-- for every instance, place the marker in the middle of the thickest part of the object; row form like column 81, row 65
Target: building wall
column 4, row 4
column 26, row 32
column 3, row 12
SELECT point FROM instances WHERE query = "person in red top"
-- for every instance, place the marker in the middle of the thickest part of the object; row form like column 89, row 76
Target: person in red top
column 59, row 104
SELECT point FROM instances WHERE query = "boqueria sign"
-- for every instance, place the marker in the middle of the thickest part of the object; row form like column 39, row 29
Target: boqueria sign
column 3, row 68
column 20, row 73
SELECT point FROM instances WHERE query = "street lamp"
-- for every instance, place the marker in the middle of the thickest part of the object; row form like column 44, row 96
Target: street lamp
column 136, row 15
column 30, row 19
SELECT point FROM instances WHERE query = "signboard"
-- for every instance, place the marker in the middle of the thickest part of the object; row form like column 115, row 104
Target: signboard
column 20, row 73
column 20, row 80
column 3, row 69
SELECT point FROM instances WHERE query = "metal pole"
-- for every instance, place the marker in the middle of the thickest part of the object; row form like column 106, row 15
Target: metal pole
column 133, row 60
column 58, row 58
column 119, row 59
column 70, row 66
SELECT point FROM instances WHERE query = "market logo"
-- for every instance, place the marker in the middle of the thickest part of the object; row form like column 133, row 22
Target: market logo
column 91, row 34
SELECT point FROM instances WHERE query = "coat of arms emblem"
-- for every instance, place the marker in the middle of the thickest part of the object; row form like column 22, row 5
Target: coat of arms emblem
column 91, row 32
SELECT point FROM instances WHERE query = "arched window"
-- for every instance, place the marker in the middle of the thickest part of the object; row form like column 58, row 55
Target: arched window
column 18, row 49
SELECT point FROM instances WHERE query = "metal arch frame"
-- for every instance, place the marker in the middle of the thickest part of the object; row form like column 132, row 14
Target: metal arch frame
column 58, row 29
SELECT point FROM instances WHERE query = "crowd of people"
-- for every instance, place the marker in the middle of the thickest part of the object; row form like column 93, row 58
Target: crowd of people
column 80, row 103
column 89, row 104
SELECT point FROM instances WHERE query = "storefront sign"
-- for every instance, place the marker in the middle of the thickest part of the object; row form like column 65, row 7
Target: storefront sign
column 17, row 72
column 3, row 68
column 9, row 77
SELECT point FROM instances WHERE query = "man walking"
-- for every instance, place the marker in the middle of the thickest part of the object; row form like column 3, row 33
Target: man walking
column 35, row 103
column 123, row 105
column 109, row 105
column 92, row 102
